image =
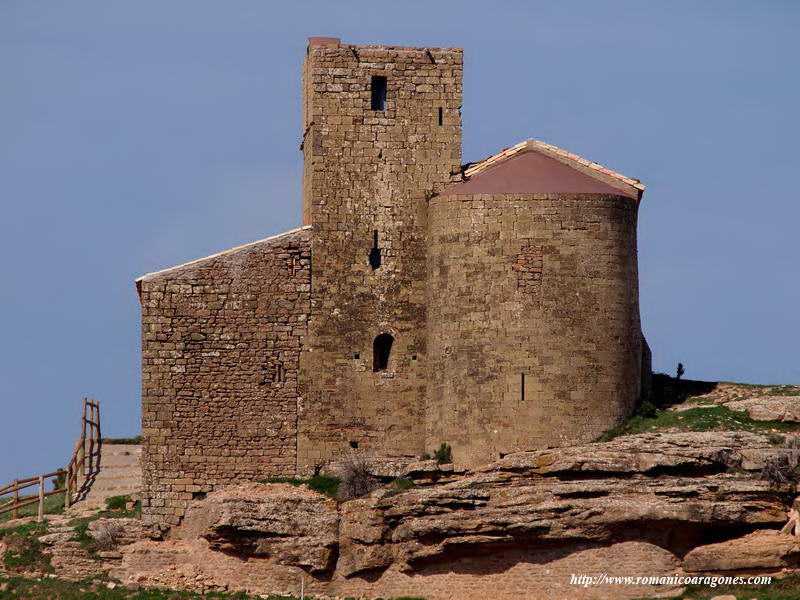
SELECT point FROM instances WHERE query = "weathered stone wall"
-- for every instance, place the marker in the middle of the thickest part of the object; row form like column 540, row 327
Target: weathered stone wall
column 221, row 340
column 368, row 174
column 540, row 287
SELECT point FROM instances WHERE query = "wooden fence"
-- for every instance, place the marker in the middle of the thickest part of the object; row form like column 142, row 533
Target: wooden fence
column 82, row 464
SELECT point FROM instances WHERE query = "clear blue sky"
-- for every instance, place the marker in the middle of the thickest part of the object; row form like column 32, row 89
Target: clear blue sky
column 137, row 135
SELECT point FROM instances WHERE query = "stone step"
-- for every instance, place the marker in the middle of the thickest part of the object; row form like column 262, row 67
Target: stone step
column 121, row 448
column 113, row 460
column 117, row 484
column 114, row 482
column 119, row 473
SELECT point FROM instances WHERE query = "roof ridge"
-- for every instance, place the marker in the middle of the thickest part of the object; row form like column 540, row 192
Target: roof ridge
column 222, row 253
column 533, row 144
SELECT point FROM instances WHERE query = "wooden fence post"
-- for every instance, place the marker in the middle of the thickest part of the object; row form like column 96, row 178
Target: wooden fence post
column 68, row 496
column 41, row 498
column 83, row 437
column 16, row 498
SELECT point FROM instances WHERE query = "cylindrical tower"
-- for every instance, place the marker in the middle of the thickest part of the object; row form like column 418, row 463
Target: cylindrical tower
column 534, row 337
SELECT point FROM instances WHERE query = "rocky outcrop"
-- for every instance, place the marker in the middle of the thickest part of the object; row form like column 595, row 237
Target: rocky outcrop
column 769, row 408
column 290, row 524
column 519, row 527
column 119, row 531
column 666, row 489
column 767, row 550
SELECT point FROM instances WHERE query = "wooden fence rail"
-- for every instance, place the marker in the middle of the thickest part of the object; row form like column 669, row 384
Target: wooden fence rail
column 81, row 464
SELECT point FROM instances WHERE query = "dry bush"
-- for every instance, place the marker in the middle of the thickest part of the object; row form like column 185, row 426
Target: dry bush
column 357, row 481
column 106, row 535
column 784, row 469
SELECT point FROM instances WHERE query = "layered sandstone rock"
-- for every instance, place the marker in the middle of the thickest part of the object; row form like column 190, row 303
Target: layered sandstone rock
column 665, row 489
column 290, row 524
column 518, row 528
column 769, row 408
column 765, row 550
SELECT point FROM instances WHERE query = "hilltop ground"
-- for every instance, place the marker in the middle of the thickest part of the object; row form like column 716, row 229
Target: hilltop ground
column 697, row 482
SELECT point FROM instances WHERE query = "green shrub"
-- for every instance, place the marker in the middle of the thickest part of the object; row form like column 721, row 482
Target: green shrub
column 444, row 455
column 117, row 502
column 325, row 485
column 60, row 481
column 647, row 410
column 402, row 484
column 328, row 486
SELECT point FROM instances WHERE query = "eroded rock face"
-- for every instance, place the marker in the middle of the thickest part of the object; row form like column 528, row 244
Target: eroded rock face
column 632, row 506
column 666, row 489
column 764, row 550
column 769, row 408
column 120, row 531
column 292, row 525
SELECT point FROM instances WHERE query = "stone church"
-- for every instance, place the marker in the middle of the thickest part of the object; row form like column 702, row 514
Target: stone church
column 490, row 305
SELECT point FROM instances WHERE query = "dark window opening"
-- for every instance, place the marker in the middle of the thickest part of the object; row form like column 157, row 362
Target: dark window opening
column 378, row 92
column 354, row 444
column 522, row 388
column 413, row 357
column 441, row 115
column 357, row 355
column 381, row 348
column 375, row 253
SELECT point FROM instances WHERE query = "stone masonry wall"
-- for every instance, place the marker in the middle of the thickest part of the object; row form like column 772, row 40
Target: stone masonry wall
column 367, row 177
column 533, row 321
column 221, row 340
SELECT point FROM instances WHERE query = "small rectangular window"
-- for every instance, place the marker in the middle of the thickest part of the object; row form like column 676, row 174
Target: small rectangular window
column 441, row 115
column 378, row 92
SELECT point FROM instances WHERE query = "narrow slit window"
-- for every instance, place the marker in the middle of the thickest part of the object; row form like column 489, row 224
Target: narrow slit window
column 522, row 387
column 441, row 115
column 375, row 253
column 378, row 92
column 381, row 349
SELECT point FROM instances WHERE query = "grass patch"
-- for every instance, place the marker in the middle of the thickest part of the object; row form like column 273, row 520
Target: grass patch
column 400, row 485
column 24, row 551
column 118, row 502
column 324, row 485
column 24, row 588
column 700, row 401
column 714, row 418
column 784, row 390
column 780, row 589
column 53, row 505
column 130, row 440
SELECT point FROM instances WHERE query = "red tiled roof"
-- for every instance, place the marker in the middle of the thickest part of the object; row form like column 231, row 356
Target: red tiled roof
column 629, row 186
